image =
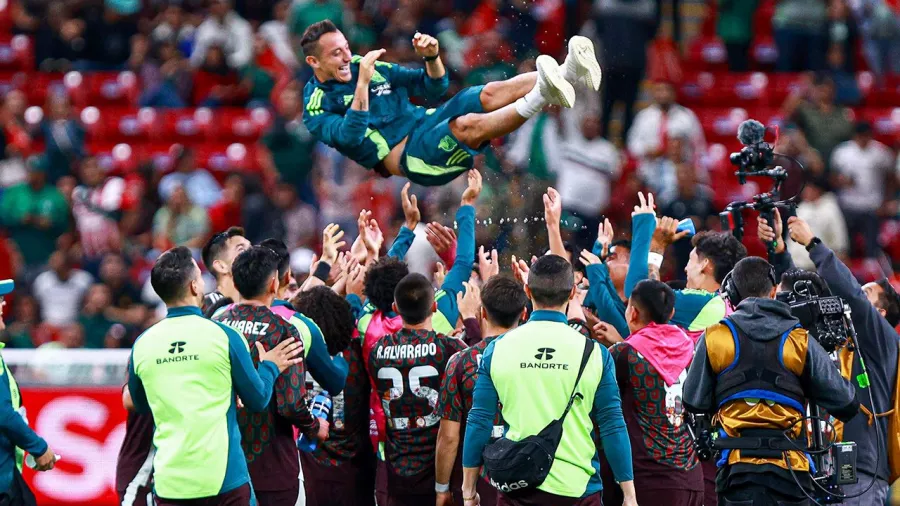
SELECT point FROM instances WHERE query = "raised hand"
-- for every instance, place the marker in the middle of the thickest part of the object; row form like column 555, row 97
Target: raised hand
column 470, row 196
column 288, row 352
column 488, row 264
column 367, row 65
column 588, row 258
column 470, row 303
column 520, row 270
column 331, row 243
column 356, row 280
column 800, row 231
column 552, row 207
column 440, row 237
column 410, row 208
column 646, row 206
column 665, row 234
column 605, row 236
column 440, row 274
column 371, row 234
column 767, row 234
column 426, row 46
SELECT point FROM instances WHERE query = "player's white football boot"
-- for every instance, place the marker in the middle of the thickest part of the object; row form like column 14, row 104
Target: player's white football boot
column 553, row 87
column 581, row 63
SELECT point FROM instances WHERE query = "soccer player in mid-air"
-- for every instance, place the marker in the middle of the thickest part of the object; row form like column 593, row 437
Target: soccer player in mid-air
column 360, row 106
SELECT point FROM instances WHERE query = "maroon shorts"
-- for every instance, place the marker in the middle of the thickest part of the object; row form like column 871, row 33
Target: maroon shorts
column 381, row 482
column 710, row 497
column 237, row 497
column 344, row 485
column 278, row 497
column 142, row 496
column 412, row 490
column 539, row 498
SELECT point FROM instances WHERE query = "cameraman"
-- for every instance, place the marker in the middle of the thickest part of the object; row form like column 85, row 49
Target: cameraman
column 755, row 371
column 875, row 311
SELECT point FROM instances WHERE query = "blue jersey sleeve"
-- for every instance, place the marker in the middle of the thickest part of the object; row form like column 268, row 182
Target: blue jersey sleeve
column 642, row 228
column 13, row 425
column 481, row 417
column 462, row 265
column 417, row 82
column 402, row 243
column 346, row 131
column 254, row 388
column 328, row 372
column 605, row 299
column 607, row 414
column 136, row 389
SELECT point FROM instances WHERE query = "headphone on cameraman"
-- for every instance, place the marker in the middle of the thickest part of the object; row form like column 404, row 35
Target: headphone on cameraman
column 730, row 289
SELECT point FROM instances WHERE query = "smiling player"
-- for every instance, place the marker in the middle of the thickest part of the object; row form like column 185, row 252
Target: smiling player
column 360, row 106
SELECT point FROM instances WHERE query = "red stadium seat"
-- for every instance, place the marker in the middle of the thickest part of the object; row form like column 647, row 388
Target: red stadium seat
column 763, row 52
column 885, row 122
column 187, row 125
column 724, row 89
column 707, row 52
column 783, row 85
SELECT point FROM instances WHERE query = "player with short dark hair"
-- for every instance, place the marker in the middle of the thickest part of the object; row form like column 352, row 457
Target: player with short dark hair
column 502, row 306
column 341, row 470
column 268, row 439
column 361, row 106
column 217, row 254
column 407, row 368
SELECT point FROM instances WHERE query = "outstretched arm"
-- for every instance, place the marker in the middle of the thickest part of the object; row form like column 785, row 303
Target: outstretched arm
column 465, row 250
column 552, row 215
column 430, row 83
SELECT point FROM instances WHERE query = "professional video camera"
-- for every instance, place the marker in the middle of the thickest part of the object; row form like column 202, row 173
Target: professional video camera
column 758, row 158
column 827, row 318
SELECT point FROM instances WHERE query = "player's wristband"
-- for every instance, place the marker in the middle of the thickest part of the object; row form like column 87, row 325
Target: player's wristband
column 441, row 487
column 655, row 259
column 323, row 270
column 432, row 58
column 813, row 243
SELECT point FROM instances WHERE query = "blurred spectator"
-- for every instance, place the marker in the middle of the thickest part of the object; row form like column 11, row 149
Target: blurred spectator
column 693, row 200
column 664, row 120
column 165, row 74
column 60, row 290
column 861, row 167
column 256, row 81
column 587, row 166
column 96, row 206
column 880, row 26
column 846, row 90
column 174, row 27
column 179, row 223
column 824, row 124
column 92, row 319
column 799, row 27
column 125, row 297
column 15, row 139
column 492, row 60
column 275, row 33
column 791, row 142
column 201, row 187
column 108, row 34
column 735, row 28
column 21, row 331
column 820, row 209
column 227, row 211
column 842, row 33
column 305, row 13
column 72, row 336
column 58, row 38
column 64, row 138
column 289, row 147
column 35, row 214
column 225, row 29
column 215, row 84
column 660, row 175
column 299, row 224
column 626, row 28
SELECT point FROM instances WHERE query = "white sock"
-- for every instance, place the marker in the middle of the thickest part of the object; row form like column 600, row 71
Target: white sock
column 569, row 70
column 532, row 103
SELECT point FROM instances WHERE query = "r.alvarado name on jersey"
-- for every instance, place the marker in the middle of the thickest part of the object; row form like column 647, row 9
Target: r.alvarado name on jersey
column 403, row 351
column 248, row 327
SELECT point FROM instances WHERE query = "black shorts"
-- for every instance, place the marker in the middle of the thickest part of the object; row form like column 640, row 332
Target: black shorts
column 539, row 498
column 278, row 497
column 140, row 496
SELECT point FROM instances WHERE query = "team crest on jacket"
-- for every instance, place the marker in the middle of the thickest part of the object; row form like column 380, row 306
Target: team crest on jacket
column 448, row 144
